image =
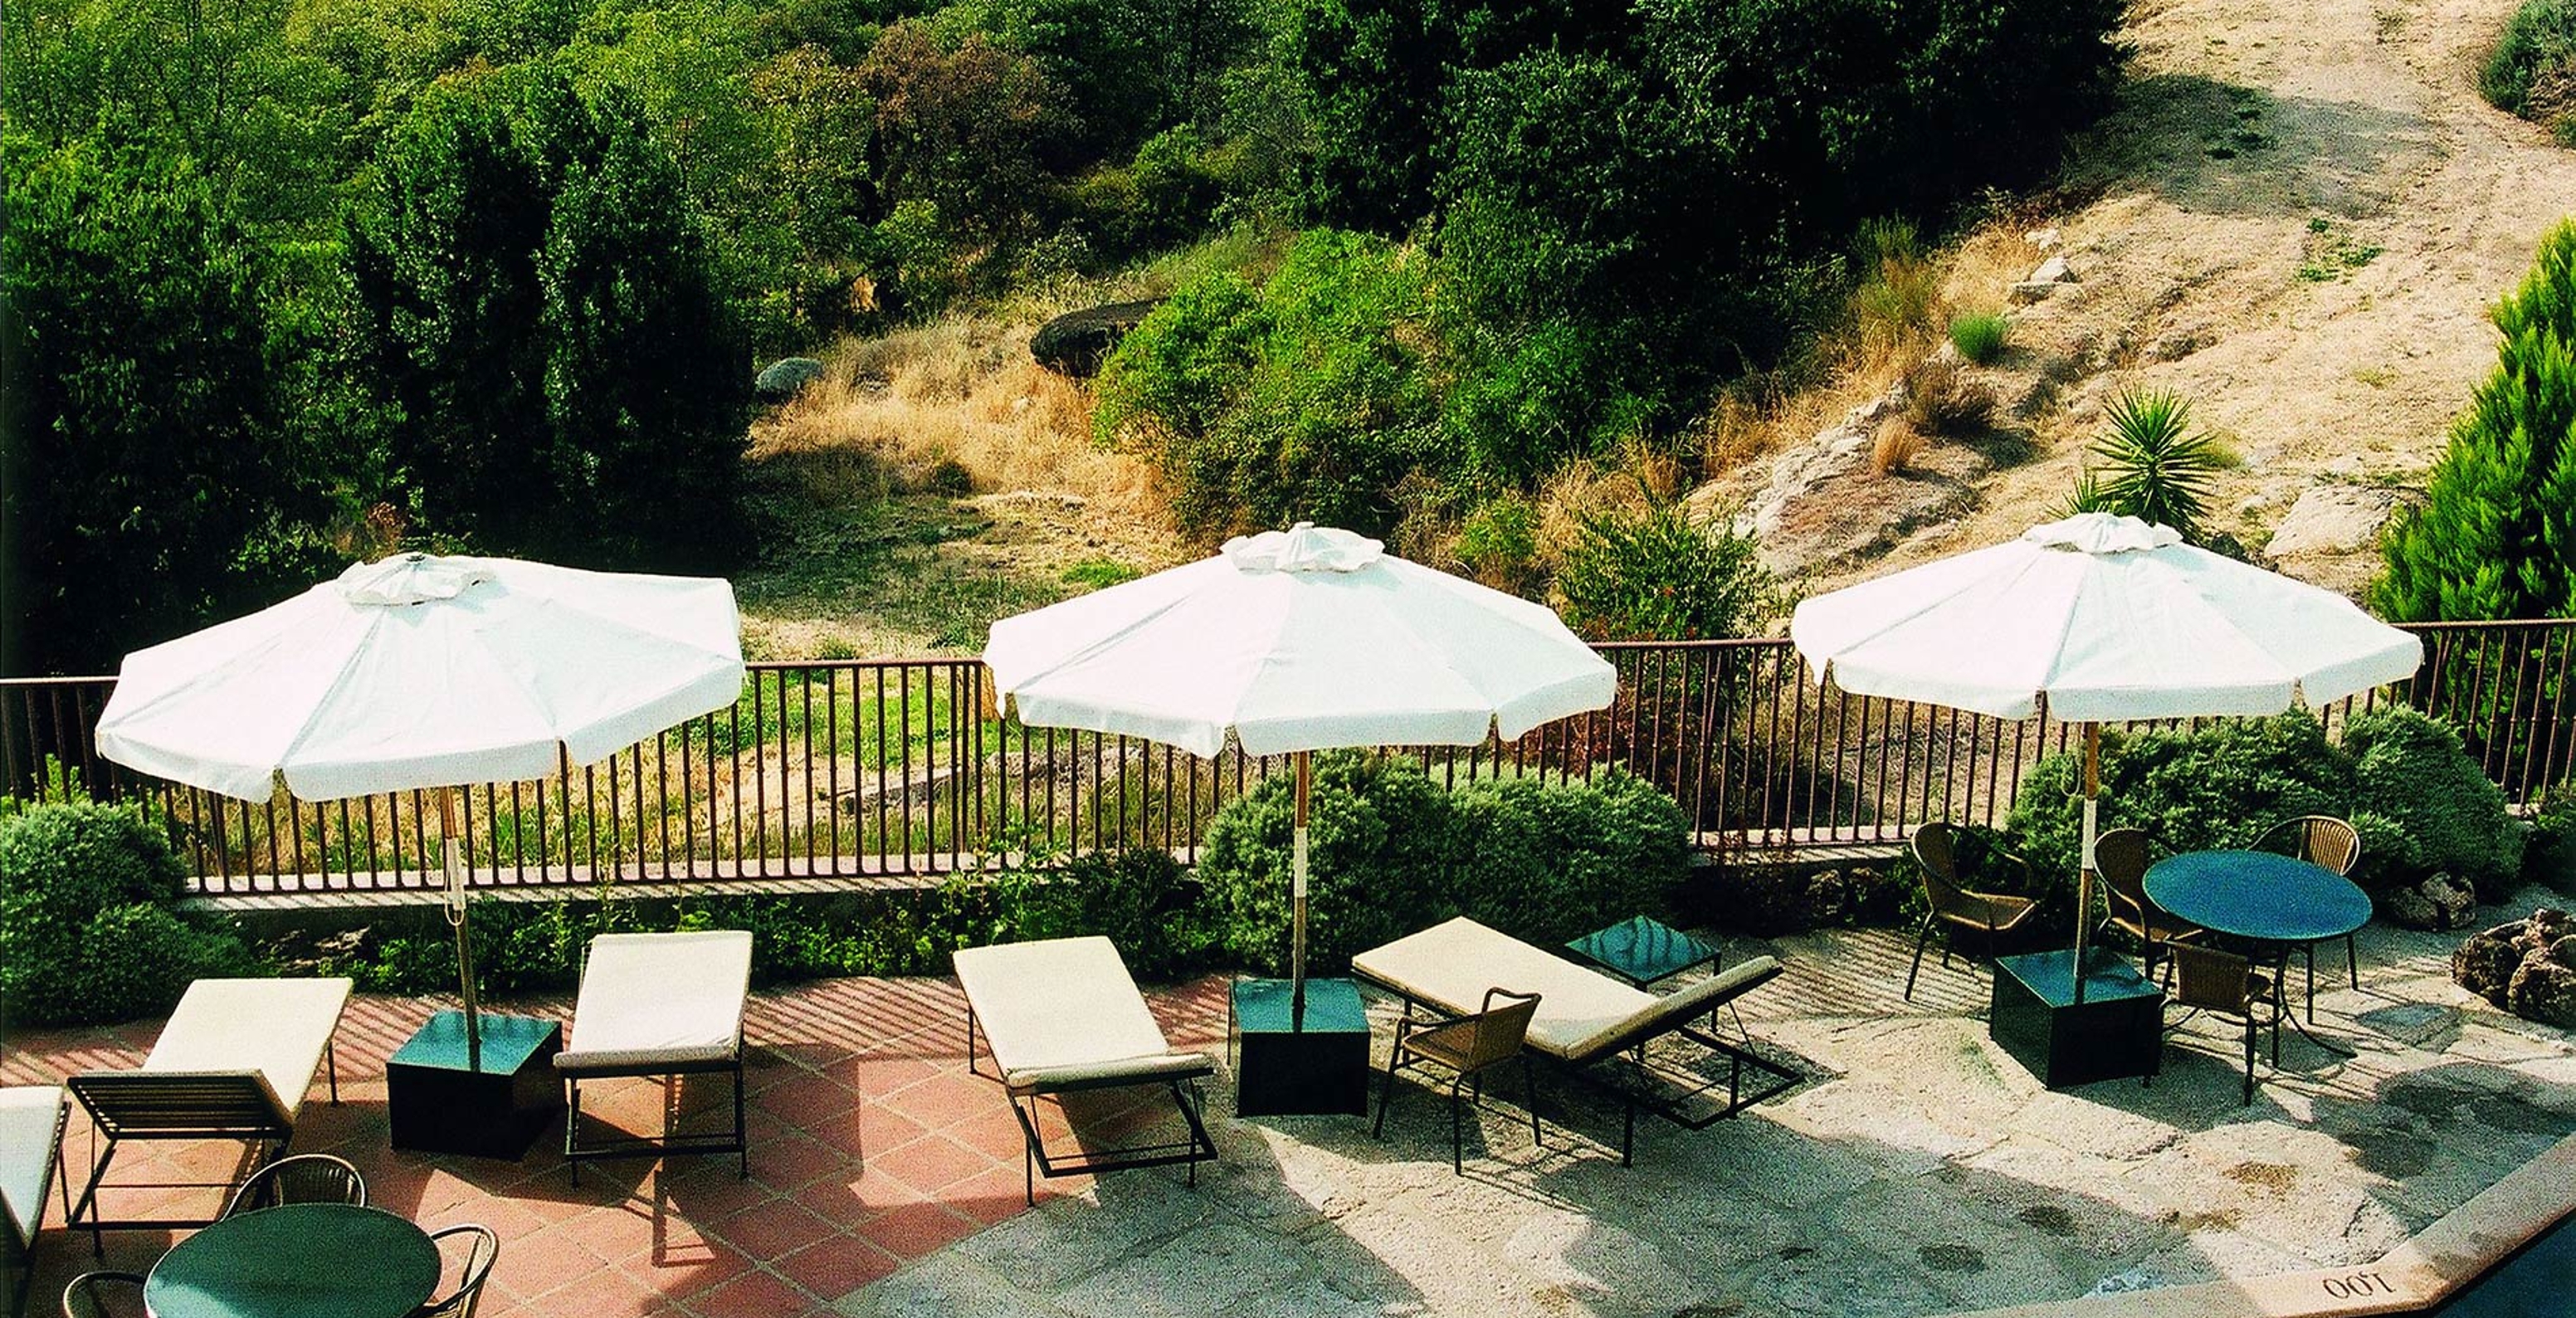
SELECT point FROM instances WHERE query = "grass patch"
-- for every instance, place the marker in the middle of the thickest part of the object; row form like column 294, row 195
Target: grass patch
column 2332, row 253
column 1100, row 573
column 1981, row 337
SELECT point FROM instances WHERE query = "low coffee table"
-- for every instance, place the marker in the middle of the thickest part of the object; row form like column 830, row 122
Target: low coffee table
column 1644, row 950
column 491, row 1102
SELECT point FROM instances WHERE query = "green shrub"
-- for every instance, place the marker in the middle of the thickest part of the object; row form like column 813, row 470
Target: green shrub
column 1147, row 902
column 1546, row 861
column 1981, row 338
column 2221, row 786
column 2537, row 50
column 2496, row 534
column 1379, row 855
column 1498, row 543
column 2444, row 814
column 87, row 933
column 1660, row 574
column 2549, row 851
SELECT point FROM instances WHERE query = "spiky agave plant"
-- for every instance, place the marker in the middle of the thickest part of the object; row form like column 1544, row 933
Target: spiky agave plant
column 2151, row 465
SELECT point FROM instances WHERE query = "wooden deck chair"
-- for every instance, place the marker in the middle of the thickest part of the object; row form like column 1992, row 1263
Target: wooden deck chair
column 1062, row 1015
column 658, row 1005
column 234, row 1063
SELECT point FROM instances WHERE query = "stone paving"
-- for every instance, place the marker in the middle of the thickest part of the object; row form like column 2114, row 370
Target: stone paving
column 1916, row 1172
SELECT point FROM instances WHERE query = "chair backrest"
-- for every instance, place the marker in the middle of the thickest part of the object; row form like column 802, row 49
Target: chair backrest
column 89, row 1295
column 2209, row 978
column 1935, row 855
column 2120, row 857
column 306, row 1178
column 2318, row 840
column 481, row 1248
column 1500, row 1031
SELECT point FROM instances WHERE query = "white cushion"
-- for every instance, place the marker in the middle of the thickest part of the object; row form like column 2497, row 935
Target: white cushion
column 1065, row 1011
column 277, row 1027
column 28, row 1116
column 651, row 1000
column 1451, row 965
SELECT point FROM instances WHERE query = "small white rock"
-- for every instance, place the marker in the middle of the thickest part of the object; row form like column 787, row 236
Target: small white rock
column 2052, row 271
column 2046, row 240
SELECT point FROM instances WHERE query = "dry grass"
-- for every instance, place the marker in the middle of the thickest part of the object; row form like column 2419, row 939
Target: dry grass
column 958, row 391
column 1896, row 446
column 1985, row 265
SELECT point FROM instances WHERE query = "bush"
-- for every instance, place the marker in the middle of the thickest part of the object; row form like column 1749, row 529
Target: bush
column 87, row 933
column 2496, row 534
column 1981, row 338
column 2549, row 851
column 1660, row 574
column 1939, row 401
column 1498, row 544
column 1390, row 853
column 2221, row 786
column 2442, row 813
column 1145, row 901
column 2536, row 54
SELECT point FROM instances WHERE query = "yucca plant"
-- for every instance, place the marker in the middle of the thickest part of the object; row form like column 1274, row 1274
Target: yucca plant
column 2151, row 465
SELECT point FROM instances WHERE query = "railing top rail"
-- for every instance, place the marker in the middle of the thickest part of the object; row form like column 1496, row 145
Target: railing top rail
column 57, row 679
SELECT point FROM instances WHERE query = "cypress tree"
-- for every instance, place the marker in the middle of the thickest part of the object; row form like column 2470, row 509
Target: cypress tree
column 2496, row 536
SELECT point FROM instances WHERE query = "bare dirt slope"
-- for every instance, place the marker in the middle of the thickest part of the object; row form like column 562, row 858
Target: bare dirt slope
column 2297, row 217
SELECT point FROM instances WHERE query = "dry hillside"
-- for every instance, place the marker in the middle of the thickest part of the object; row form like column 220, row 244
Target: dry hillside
column 2296, row 218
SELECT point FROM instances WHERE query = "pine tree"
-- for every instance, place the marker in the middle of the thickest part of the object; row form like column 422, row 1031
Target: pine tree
column 2496, row 536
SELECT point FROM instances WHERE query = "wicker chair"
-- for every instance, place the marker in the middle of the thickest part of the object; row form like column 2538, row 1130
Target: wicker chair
column 2330, row 842
column 87, row 1296
column 1468, row 1047
column 306, row 1178
column 1954, row 907
column 2120, row 857
column 2226, row 984
column 482, row 1248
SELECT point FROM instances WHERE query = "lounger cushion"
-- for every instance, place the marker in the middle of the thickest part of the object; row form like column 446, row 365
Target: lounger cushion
column 1064, row 1011
column 1451, row 965
column 1673, row 1010
column 277, row 1027
column 659, row 1000
column 29, row 1115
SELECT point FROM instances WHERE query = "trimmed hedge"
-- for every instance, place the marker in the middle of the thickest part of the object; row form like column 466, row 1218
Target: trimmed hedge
column 1391, row 853
column 2426, row 807
column 87, row 930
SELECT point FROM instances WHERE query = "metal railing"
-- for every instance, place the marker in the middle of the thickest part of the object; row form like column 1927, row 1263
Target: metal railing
column 895, row 771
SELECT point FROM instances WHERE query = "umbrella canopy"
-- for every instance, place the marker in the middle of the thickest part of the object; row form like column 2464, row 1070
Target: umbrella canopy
column 1297, row 640
column 2099, row 618
column 421, row 671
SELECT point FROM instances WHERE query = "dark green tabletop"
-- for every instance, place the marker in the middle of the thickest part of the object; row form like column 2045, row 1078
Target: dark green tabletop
column 1642, row 950
column 297, row 1261
column 2258, row 895
column 1261, row 1006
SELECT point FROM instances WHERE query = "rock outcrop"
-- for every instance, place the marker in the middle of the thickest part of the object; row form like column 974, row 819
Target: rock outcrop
column 2527, row 967
column 2440, row 902
column 785, row 378
column 2335, row 519
column 1077, row 342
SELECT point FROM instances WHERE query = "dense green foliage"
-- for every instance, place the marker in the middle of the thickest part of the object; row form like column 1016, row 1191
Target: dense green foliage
column 2527, row 73
column 2549, row 853
column 1981, row 338
column 2421, row 802
column 2496, row 534
column 1391, row 853
column 2425, row 806
column 87, row 933
column 1625, row 207
column 1660, row 574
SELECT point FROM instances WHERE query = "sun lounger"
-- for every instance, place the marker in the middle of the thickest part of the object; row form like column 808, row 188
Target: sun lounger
column 1063, row 1015
column 31, row 1129
column 658, row 1005
column 234, row 1063
column 1588, row 1024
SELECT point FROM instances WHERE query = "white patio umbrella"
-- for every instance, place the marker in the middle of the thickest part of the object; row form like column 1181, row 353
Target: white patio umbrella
column 2098, row 618
column 1295, row 641
column 427, row 672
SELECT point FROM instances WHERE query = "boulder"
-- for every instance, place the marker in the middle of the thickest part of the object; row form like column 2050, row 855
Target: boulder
column 2527, row 967
column 2543, row 990
column 1077, row 342
column 2440, row 902
column 2484, row 963
column 2335, row 519
column 785, row 378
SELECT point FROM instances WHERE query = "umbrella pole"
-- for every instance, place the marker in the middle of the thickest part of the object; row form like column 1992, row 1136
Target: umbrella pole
column 2084, row 874
column 451, row 851
column 1297, row 898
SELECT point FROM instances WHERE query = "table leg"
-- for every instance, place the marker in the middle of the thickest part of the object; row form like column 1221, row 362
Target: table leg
column 2279, row 986
column 2311, row 950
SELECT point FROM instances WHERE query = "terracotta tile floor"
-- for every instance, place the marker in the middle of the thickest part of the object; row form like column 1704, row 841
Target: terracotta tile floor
column 871, row 1145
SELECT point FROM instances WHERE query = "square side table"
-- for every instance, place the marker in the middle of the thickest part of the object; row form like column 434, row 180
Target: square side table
column 439, row 1103
column 1283, row 1070
column 1644, row 950
column 2116, row 1031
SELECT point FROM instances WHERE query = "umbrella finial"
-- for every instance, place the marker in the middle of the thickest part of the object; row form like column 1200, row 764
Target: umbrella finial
column 1304, row 547
column 413, row 578
column 2102, row 533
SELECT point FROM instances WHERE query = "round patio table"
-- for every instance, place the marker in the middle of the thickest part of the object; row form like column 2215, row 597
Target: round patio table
column 297, row 1261
column 2262, row 897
